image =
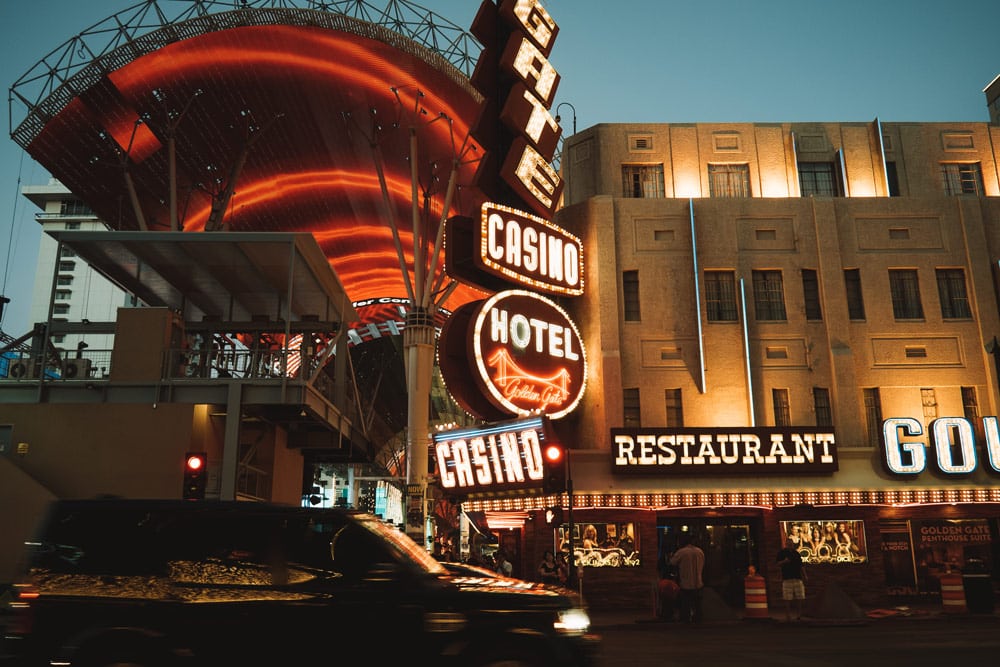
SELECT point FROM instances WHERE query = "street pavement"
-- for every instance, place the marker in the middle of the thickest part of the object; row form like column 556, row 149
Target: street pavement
column 912, row 635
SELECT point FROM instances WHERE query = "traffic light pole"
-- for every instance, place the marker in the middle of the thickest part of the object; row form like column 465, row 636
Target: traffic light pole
column 571, row 577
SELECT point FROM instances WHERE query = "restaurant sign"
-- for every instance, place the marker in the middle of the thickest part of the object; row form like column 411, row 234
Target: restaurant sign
column 721, row 451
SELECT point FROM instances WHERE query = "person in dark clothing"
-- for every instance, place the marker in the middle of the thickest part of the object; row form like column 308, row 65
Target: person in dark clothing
column 690, row 562
column 793, row 576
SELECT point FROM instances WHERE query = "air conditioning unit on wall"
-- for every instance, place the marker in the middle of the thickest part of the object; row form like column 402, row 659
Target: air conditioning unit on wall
column 76, row 369
column 21, row 369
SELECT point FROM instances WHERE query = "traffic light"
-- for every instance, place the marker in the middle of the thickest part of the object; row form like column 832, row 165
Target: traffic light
column 554, row 466
column 195, row 475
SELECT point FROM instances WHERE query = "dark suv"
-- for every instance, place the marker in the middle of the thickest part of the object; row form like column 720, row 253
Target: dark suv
column 139, row 582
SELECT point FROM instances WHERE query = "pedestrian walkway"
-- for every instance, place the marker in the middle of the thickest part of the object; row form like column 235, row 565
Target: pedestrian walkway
column 831, row 607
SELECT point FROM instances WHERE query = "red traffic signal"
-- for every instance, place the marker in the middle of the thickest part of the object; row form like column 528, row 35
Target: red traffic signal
column 554, row 466
column 195, row 475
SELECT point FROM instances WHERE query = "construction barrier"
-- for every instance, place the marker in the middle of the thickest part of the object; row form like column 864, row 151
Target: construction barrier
column 953, row 594
column 755, row 596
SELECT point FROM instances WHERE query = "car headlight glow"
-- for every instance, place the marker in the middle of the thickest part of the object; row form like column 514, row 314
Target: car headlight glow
column 572, row 622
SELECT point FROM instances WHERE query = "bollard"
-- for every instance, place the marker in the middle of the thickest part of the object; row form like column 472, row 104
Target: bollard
column 952, row 594
column 755, row 596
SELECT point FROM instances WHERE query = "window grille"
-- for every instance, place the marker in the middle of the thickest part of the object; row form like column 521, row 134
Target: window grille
column 769, row 295
column 642, row 181
column 951, row 290
column 905, row 291
column 962, row 178
column 729, row 180
column 720, row 296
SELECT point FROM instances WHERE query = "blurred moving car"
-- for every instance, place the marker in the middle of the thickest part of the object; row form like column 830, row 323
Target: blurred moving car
column 156, row 583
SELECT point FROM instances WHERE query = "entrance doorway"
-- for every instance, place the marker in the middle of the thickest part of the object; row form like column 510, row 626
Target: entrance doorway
column 730, row 547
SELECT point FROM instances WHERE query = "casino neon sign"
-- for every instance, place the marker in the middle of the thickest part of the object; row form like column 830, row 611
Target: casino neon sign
column 954, row 442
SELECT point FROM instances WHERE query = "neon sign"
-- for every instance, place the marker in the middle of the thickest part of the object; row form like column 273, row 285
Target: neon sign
column 527, row 83
column 706, row 451
column 511, row 246
column 488, row 460
column 526, row 358
column 953, row 439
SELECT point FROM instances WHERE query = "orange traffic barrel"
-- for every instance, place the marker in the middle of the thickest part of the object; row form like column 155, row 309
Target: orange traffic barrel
column 755, row 597
column 953, row 594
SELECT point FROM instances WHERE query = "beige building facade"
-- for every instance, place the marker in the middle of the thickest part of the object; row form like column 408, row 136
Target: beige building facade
column 801, row 282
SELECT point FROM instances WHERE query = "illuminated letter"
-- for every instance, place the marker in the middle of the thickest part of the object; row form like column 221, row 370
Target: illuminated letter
column 498, row 326
column 966, row 442
column 511, row 458
column 667, row 455
column 537, row 23
column 513, row 239
column 751, row 448
column 894, row 448
column 447, row 478
column 532, row 455
column 463, row 470
column 537, row 72
column 520, row 331
column 624, row 450
column 538, row 177
column 646, row 445
column 481, row 461
column 992, row 441
column 494, row 225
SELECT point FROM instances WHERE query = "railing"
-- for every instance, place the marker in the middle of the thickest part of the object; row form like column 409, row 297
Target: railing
column 68, row 366
column 253, row 483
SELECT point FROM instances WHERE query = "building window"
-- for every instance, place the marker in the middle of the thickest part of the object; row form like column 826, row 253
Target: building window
column 821, row 406
column 729, row 180
column 720, row 296
column 642, row 181
column 67, row 266
column 630, row 295
column 74, row 207
column 951, row 290
column 893, row 178
column 855, row 300
column 63, row 294
column 905, row 294
column 60, row 309
column 928, row 399
column 970, row 404
column 873, row 416
column 962, row 178
column 810, row 292
column 782, row 414
column 66, row 251
column 818, row 179
column 73, row 224
column 64, row 280
column 768, row 295
column 675, row 411
column 631, row 414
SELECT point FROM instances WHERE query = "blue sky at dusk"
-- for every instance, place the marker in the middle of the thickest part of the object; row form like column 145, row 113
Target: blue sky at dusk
column 643, row 61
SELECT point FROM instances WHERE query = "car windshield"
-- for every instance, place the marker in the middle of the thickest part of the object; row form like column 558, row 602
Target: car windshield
column 406, row 547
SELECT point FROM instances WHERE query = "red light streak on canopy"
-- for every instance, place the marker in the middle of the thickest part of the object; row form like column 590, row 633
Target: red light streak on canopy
column 284, row 90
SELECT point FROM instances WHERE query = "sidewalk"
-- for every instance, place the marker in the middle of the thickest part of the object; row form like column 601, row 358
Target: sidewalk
column 832, row 607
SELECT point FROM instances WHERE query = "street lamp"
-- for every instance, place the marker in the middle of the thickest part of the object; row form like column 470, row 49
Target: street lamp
column 559, row 118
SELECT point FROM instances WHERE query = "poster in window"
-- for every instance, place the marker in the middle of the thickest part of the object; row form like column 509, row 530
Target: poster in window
column 827, row 540
column 601, row 544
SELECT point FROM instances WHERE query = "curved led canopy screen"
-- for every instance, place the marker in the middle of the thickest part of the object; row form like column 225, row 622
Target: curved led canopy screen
column 276, row 128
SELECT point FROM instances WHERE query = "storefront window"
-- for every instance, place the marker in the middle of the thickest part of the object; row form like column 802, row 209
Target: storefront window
column 601, row 544
column 827, row 540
